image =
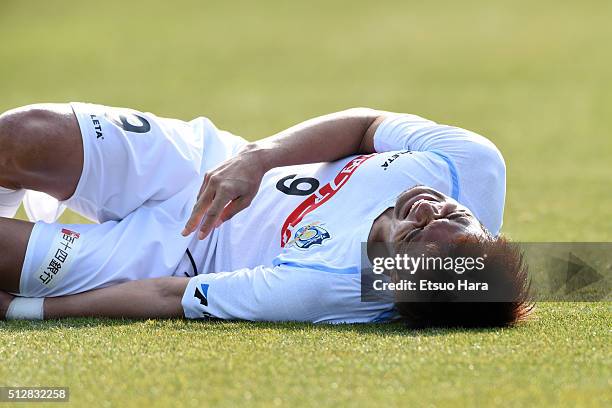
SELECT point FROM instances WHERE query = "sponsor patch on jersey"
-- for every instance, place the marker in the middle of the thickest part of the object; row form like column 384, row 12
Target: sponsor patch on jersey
column 320, row 196
column 59, row 259
column 309, row 235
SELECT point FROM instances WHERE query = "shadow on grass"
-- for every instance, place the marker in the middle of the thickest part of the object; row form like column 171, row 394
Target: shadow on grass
column 75, row 323
column 376, row 329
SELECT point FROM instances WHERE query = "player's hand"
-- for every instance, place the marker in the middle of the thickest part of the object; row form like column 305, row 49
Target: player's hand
column 5, row 301
column 227, row 190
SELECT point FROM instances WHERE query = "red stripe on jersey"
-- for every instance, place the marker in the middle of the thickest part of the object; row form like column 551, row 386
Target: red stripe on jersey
column 319, row 197
column 70, row 233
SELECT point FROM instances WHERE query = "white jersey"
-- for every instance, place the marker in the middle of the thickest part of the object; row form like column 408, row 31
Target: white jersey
column 140, row 177
column 295, row 252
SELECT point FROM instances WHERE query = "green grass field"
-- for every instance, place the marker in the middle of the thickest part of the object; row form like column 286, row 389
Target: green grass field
column 532, row 76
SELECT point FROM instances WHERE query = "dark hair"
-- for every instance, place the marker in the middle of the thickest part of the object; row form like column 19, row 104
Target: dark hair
column 505, row 303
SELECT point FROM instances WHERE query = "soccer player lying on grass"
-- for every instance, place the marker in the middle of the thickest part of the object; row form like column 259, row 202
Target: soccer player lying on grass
column 279, row 222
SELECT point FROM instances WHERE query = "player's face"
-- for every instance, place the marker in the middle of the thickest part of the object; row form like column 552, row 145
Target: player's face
column 422, row 214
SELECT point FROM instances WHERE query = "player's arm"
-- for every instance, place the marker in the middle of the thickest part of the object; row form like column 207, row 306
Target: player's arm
column 230, row 187
column 323, row 139
column 150, row 298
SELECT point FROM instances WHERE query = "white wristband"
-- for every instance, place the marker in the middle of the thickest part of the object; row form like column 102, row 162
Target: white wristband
column 25, row 309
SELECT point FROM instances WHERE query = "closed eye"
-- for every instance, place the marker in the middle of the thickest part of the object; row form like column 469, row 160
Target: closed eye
column 412, row 234
column 457, row 215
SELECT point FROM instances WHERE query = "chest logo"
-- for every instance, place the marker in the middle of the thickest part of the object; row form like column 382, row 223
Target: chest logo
column 310, row 235
column 320, row 197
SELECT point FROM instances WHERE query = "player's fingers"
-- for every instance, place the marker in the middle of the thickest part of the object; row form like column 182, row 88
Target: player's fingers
column 203, row 203
column 214, row 212
column 204, row 185
column 232, row 209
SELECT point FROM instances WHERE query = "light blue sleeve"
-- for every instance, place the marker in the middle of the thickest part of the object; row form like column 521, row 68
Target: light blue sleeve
column 412, row 132
column 281, row 293
column 476, row 167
